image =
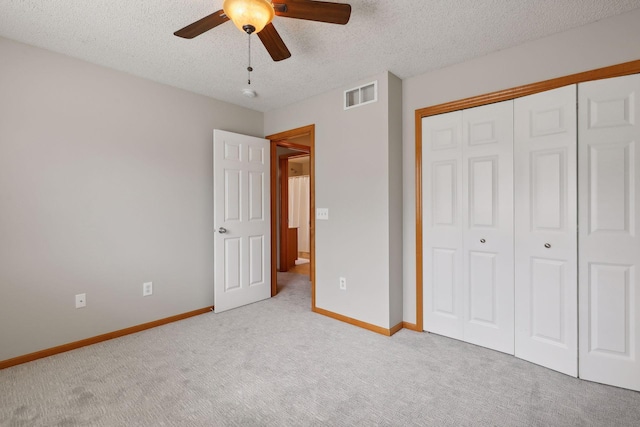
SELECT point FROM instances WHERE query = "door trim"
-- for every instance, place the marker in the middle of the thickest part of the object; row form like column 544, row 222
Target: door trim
column 283, row 139
column 624, row 69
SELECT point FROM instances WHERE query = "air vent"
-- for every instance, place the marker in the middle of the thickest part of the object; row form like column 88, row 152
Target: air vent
column 362, row 95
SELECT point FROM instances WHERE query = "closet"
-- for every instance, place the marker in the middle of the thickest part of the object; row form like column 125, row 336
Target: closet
column 529, row 228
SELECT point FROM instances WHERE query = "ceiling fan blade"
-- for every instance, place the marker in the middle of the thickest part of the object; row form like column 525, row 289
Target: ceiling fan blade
column 203, row 25
column 273, row 42
column 321, row 11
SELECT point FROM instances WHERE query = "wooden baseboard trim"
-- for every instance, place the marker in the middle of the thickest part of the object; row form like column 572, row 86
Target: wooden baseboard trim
column 396, row 328
column 411, row 326
column 94, row 340
column 358, row 323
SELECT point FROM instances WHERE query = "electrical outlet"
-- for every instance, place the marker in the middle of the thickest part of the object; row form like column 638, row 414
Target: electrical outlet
column 343, row 284
column 81, row 300
column 322, row 213
column 147, row 289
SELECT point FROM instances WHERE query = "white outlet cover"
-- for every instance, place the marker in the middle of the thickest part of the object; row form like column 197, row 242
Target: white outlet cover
column 81, row 300
column 147, row 289
column 322, row 213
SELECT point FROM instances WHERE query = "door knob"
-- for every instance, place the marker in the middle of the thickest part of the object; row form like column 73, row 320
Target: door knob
column 547, row 245
column 482, row 241
column 222, row 230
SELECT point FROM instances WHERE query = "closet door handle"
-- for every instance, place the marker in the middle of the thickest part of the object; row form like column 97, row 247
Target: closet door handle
column 482, row 241
column 547, row 245
column 222, row 230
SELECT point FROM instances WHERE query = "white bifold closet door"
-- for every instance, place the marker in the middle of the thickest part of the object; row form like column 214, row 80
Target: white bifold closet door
column 609, row 215
column 546, row 289
column 468, row 225
column 442, row 224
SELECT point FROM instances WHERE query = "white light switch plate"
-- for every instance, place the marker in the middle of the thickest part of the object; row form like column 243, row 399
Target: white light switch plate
column 322, row 213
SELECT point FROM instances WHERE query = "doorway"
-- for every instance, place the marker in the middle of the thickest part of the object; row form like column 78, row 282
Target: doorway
column 300, row 142
column 293, row 240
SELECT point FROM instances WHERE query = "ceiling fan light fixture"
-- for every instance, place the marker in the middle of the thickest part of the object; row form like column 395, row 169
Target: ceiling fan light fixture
column 249, row 15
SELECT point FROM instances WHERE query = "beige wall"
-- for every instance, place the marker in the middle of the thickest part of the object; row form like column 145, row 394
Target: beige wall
column 105, row 183
column 606, row 42
column 355, row 242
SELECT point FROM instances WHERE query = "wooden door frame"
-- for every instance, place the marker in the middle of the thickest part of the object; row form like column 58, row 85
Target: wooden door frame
column 624, row 69
column 283, row 139
column 283, row 160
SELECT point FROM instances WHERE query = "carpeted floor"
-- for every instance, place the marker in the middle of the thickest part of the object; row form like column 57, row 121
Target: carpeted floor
column 275, row 363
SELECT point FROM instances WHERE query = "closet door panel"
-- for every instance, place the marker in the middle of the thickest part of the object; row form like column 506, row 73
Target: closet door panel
column 442, row 224
column 545, row 229
column 548, row 288
column 487, row 157
column 609, row 127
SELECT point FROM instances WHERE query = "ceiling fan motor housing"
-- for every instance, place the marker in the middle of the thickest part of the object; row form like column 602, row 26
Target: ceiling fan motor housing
column 249, row 15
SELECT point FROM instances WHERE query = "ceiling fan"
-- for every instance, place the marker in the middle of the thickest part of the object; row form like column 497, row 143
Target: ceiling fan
column 254, row 16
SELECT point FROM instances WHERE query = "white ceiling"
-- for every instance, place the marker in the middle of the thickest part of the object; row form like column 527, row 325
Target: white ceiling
column 406, row 37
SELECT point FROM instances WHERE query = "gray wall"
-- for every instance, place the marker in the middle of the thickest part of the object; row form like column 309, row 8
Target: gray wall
column 353, row 168
column 105, row 183
column 607, row 42
column 395, row 200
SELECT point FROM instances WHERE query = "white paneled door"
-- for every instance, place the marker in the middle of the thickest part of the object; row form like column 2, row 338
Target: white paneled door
column 241, row 219
column 442, row 224
column 609, row 214
column 468, row 225
column 546, row 229
column 487, row 222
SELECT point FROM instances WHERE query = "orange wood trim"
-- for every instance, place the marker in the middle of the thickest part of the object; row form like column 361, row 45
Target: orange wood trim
column 419, row 247
column 411, row 326
column 284, row 212
column 281, row 140
column 624, row 69
column 312, row 216
column 292, row 133
column 359, row 323
column 94, row 340
column 290, row 156
column 301, row 147
column 618, row 70
column 274, row 228
column 396, row 328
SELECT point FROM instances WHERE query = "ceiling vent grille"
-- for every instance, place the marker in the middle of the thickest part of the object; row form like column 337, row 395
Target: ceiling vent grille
column 365, row 94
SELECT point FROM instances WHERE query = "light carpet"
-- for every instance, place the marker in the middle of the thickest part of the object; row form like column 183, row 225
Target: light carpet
column 275, row 363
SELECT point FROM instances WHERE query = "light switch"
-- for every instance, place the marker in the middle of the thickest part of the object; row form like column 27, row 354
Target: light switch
column 322, row 213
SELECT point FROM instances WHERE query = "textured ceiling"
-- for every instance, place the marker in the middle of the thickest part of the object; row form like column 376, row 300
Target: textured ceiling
column 406, row 37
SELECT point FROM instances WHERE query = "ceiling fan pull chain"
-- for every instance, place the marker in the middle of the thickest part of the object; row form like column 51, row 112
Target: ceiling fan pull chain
column 249, row 68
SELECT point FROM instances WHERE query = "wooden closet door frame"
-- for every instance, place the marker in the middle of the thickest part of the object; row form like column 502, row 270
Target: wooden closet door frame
column 624, row 69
